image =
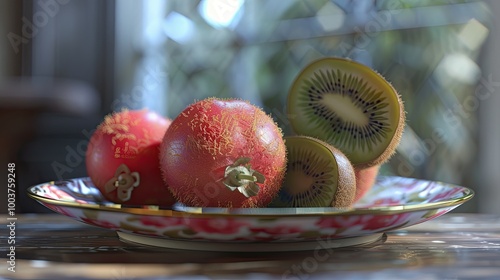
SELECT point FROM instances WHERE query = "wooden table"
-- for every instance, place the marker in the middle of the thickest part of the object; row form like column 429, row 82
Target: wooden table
column 454, row 246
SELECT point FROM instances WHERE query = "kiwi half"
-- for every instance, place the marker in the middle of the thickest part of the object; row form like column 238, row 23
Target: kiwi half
column 318, row 175
column 349, row 106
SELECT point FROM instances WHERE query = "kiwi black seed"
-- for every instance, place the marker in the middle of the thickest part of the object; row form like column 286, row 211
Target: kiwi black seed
column 317, row 175
column 349, row 106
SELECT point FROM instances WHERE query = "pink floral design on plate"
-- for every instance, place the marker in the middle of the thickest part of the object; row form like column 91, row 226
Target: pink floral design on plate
column 100, row 223
column 383, row 209
column 61, row 210
column 216, row 225
column 263, row 233
column 339, row 226
column 161, row 222
column 379, row 223
column 277, row 230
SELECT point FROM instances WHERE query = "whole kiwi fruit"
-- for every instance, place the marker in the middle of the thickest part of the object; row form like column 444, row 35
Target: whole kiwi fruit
column 349, row 106
column 317, row 175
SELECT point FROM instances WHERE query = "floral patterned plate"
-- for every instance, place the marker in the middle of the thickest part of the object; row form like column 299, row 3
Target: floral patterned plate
column 392, row 203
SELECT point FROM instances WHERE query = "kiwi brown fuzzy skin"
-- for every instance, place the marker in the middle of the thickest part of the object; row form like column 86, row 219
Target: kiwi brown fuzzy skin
column 301, row 129
column 346, row 179
column 346, row 187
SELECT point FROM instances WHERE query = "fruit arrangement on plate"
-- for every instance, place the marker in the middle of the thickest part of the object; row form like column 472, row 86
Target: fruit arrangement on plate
column 221, row 176
column 229, row 153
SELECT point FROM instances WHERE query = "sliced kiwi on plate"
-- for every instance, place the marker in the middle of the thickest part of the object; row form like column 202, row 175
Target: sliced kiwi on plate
column 317, row 175
column 349, row 106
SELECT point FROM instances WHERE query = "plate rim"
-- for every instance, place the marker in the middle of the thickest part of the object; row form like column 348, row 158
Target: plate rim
column 153, row 210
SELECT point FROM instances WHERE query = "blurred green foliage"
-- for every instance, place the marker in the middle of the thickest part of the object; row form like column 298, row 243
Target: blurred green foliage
column 427, row 49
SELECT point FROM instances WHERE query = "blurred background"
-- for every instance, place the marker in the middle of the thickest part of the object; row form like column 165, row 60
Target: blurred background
column 65, row 64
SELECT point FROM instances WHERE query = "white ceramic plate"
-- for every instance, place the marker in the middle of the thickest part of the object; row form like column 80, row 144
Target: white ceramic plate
column 392, row 203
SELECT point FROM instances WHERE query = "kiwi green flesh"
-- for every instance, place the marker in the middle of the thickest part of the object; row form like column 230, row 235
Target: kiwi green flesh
column 311, row 178
column 347, row 105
